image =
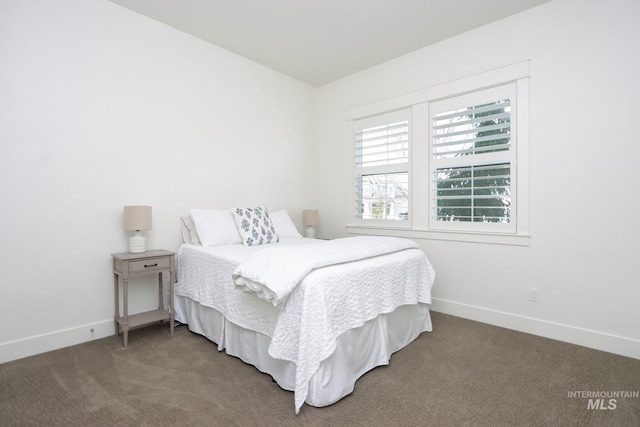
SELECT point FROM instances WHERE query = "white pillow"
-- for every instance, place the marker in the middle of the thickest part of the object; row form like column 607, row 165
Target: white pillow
column 254, row 226
column 189, row 232
column 215, row 227
column 285, row 228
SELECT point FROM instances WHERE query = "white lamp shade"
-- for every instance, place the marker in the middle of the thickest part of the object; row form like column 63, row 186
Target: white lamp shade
column 310, row 217
column 137, row 218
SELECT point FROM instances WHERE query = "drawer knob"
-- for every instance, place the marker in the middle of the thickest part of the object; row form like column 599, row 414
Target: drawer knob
column 150, row 265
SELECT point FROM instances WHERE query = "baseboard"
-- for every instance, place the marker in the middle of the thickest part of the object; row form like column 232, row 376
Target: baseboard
column 47, row 342
column 593, row 339
column 623, row 346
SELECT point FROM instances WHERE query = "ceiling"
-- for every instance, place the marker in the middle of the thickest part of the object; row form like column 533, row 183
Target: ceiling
column 318, row 41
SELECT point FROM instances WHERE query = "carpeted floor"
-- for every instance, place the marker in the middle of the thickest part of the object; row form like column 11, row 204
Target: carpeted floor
column 464, row 373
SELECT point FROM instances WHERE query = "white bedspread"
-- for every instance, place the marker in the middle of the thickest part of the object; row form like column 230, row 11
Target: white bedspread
column 326, row 303
column 274, row 272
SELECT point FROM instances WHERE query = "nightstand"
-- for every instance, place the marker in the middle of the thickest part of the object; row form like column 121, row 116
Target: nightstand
column 126, row 265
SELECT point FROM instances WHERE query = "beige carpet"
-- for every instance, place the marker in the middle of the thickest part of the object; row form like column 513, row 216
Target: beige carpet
column 463, row 373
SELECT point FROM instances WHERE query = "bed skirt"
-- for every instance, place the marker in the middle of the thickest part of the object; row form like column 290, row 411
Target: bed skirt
column 358, row 350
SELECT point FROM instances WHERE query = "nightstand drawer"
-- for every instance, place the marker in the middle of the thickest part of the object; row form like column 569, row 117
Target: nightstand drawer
column 149, row 265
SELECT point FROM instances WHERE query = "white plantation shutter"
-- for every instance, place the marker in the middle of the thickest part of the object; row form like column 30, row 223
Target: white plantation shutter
column 462, row 193
column 382, row 166
column 473, row 161
column 455, row 132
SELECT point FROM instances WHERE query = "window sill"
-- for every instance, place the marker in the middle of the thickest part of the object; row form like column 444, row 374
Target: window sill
column 455, row 236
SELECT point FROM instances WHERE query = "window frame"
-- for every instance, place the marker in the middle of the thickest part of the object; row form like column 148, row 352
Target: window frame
column 388, row 169
column 420, row 158
column 506, row 156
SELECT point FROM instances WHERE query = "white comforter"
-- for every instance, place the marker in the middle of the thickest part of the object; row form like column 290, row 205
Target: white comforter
column 274, row 272
column 325, row 304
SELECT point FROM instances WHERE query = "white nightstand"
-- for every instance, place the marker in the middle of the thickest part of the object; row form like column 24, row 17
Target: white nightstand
column 126, row 265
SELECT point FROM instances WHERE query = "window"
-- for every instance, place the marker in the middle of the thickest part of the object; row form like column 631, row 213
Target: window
column 382, row 167
column 448, row 162
column 472, row 159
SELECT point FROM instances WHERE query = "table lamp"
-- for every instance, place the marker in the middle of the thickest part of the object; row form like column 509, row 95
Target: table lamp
column 310, row 220
column 137, row 218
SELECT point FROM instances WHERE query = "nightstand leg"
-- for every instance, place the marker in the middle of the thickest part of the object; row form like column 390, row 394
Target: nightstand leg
column 172, row 278
column 115, row 318
column 160, row 296
column 125, row 308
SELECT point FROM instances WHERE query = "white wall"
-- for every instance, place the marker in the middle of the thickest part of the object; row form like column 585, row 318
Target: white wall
column 101, row 107
column 584, row 85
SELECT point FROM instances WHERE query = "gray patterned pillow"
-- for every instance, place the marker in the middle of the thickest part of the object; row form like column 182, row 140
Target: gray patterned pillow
column 254, row 225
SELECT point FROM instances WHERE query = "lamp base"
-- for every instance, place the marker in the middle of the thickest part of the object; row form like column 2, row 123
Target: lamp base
column 137, row 243
column 310, row 232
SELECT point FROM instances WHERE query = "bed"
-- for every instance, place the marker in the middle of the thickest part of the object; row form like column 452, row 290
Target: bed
column 328, row 328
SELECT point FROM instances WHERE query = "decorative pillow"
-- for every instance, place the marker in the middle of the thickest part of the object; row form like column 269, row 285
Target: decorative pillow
column 189, row 232
column 215, row 227
column 254, row 226
column 285, row 228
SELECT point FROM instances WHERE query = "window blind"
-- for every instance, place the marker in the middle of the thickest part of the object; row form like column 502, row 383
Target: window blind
column 383, row 145
column 381, row 164
column 472, row 130
column 472, row 160
column 474, row 193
